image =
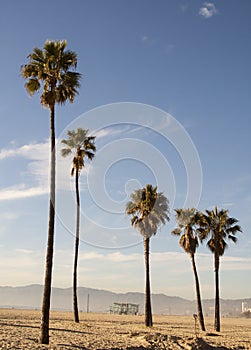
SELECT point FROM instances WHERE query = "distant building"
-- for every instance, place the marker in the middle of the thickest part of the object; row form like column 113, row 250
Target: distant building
column 244, row 307
column 124, row 309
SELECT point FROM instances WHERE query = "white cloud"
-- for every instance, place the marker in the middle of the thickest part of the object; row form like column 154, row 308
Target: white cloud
column 179, row 259
column 230, row 263
column 144, row 38
column 208, row 10
column 33, row 151
column 148, row 41
column 91, row 256
column 118, row 257
column 24, row 251
column 21, row 267
column 102, row 133
column 109, row 131
column 21, row 191
column 36, row 171
column 117, row 270
column 111, row 257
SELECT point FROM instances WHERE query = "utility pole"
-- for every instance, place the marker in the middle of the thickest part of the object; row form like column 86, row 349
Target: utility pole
column 88, row 303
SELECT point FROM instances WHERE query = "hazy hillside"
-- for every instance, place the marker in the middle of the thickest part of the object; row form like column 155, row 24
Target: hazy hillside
column 101, row 300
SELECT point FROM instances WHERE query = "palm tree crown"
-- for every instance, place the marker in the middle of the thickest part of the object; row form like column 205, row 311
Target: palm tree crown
column 82, row 144
column 149, row 209
column 187, row 220
column 221, row 227
column 50, row 67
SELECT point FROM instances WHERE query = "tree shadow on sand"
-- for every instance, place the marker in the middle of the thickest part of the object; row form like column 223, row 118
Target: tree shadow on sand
column 38, row 327
column 71, row 346
column 134, row 348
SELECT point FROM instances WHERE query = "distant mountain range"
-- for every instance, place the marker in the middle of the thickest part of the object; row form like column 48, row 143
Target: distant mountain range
column 101, row 300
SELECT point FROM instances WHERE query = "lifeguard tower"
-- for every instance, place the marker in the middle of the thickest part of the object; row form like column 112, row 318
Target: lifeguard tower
column 124, row 309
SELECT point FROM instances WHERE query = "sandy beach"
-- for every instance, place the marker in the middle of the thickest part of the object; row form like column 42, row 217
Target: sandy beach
column 20, row 330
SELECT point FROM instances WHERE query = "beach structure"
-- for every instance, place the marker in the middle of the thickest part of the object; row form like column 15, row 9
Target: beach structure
column 244, row 307
column 124, row 309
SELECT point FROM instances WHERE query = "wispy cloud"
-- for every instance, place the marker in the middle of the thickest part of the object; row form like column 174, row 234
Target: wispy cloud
column 230, row 263
column 21, row 191
column 109, row 131
column 112, row 257
column 24, row 266
column 35, row 183
column 149, row 42
column 179, row 258
column 24, row 251
column 208, row 10
column 31, row 151
column 116, row 271
column 144, row 38
column 36, row 172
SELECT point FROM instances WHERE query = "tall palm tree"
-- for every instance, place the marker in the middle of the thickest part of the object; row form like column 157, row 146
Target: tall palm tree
column 50, row 68
column 188, row 220
column 148, row 210
column 83, row 146
column 218, row 226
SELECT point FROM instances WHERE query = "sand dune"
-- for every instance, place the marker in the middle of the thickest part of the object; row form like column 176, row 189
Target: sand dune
column 20, row 330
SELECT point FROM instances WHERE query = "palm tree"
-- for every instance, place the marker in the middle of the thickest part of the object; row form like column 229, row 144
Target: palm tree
column 83, row 146
column 187, row 220
column 218, row 226
column 50, row 68
column 149, row 210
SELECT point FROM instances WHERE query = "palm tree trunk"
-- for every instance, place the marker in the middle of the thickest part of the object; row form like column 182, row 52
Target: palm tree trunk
column 148, row 309
column 44, row 336
column 217, row 294
column 197, row 286
column 75, row 299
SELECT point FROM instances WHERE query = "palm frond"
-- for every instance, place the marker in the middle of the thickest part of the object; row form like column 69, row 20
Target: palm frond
column 90, row 155
column 65, row 152
column 32, row 86
column 177, row 231
column 233, row 238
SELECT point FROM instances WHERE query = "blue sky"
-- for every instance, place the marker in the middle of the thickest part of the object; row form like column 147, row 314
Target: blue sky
column 183, row 69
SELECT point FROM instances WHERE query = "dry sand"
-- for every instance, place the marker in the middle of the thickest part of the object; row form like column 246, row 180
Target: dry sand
column 20, row 330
